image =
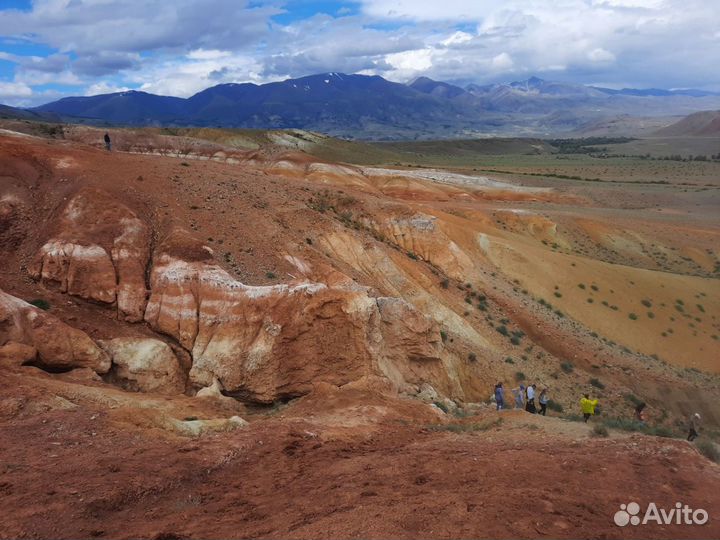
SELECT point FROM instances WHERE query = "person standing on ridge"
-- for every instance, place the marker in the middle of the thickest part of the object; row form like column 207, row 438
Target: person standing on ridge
column 543, row 400
column 530, row 405
column 694, row 427
column 499, row 396
column 587, row 406
column 108, row 144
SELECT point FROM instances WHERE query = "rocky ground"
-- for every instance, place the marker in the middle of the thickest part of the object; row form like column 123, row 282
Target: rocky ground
column 201, row 340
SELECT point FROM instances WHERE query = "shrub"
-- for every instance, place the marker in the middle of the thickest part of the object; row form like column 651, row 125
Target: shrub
column 600, row 431
column 519, row 376
column 581, row 285
column 558, row 294
column 472, row 357
column 515, row 340
column 308, row 241
column 270, row 275
column 443, row 335
column 708, row 449
column 555, row 406
column 40, row 303
column 503, row 330
column 632, row 316
column 597, row 383
column 633, row 399
column 594, row 288
column 647, row 303
column 440, row 405
column 509, row 360
column 567, row 367
column 445, row 283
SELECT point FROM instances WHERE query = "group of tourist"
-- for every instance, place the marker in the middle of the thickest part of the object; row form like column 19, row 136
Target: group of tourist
column 524, row 398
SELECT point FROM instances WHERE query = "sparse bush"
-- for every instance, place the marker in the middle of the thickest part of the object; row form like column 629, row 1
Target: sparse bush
column 567, row 367
column 270, row 275
column 581, row 285
column 40, row 303
column 597, row 383
column 515, row 340
column 440, row 405
column 308, row 241
column 443, row 335
column 472, row 357
column 558, row 294
column 519, row 376
column 632, row 316
column 445, row 283
column 708, row 449
column 509, row 360
column 502, row 329
column 555, row 406
column 647, row 303
column 600, row 431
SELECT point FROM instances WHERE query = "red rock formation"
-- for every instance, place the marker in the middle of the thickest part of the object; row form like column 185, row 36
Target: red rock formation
column 58, row 345
column 99, row 252
column 267, row 342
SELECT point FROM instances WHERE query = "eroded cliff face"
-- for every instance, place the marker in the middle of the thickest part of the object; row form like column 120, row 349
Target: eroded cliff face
column 257, row 342
column 99, row 252
column 56, row 345
column 277, row 341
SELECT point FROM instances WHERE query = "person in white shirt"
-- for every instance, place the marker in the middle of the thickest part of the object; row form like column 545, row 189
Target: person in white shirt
column 530, row 404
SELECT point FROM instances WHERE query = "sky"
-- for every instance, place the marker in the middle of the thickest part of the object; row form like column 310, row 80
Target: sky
column 55, row 48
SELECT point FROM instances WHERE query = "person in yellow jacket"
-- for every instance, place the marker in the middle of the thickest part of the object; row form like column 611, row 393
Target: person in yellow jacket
column 588, row 406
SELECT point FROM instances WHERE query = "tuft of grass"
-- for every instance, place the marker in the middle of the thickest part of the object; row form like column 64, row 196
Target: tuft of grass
column 708, row 449
column 440, row 405
column 599, row 430
column 40, row 303
column 567, row 367
column 555, row 406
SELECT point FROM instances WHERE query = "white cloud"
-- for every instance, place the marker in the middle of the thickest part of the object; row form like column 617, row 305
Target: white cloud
column 502, row 62
column 12, row 92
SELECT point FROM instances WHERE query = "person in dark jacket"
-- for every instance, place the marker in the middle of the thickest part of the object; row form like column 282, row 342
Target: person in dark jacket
column 499, row 396
column 108, row 143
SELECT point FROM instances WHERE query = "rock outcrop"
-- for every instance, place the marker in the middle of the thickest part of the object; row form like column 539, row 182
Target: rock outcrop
column 59, row 346
column 263, row 343
column 99, row 252
column 144, row 364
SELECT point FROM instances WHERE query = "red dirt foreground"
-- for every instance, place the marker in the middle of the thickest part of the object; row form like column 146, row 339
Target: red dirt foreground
column 79, row 462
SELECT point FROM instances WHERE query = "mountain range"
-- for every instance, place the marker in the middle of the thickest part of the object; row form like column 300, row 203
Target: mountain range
column 371, row 107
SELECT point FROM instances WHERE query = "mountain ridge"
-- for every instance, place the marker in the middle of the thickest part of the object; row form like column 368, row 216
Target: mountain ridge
column 371, row 107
